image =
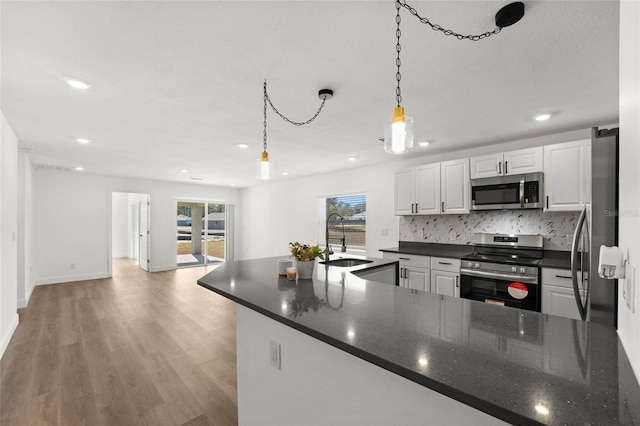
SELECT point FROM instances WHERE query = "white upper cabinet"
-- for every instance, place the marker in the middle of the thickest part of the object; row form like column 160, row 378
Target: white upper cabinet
column 405, row 192
column 438, row 188
column 567, row 176
column 521, row 161
column 428, row 189
column 454, row 186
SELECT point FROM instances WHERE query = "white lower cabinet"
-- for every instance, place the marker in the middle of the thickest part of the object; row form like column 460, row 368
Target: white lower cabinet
column 445, row 276
column 557, row 294
column 414, row 270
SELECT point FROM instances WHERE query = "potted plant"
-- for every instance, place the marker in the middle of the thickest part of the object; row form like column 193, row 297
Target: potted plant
column 305, row 256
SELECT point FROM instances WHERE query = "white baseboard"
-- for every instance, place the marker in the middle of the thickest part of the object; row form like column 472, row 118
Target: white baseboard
column 22, row 303
column 71, row 278
column 9, row 334
column 162, row 268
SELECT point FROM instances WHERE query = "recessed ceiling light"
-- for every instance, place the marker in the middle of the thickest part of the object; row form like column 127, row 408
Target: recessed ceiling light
column 83, row 140
column 233, row 184
column 423, row 143
column 78, row 84
column 243, row 146
column 352, row 158
column 285, row 173
column 542, row 117
column 184, row 171
column 78, row 169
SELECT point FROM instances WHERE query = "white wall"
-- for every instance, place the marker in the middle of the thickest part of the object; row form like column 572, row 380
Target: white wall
column 629, row 208
column 25, row 229
column 274, row 214
column 120, row 225
column 73, row 224
column 8, row 232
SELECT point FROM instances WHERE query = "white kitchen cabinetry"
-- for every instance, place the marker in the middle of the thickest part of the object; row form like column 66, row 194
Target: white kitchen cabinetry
column 557, row 293
column 414, row 270
column 445, row 276
column 438, row 188
column 567, row 176
column 517, row 162
column 417, row 190
column 454, row 186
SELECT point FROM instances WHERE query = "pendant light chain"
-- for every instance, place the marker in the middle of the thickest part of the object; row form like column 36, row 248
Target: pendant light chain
column 436, row 27
column 288, row 120
column 398, row 48
column 264, row 132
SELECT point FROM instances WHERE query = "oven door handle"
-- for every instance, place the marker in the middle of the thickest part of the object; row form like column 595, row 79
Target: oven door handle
column 498, row 276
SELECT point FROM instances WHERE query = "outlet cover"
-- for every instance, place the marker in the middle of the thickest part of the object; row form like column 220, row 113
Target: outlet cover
column 630, row 287
column 274, row 354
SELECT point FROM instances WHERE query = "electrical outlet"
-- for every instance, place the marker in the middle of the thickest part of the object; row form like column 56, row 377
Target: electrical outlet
column 452, row 235
column 274, row 354
column 569, row 238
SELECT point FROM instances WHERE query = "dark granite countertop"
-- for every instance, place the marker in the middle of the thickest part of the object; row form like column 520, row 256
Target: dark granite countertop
column 499, row 360
column 556, row 259
column 431, row 249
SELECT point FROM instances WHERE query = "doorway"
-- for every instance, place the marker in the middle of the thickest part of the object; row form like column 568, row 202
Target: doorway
column 201, row 233
column 130, row 228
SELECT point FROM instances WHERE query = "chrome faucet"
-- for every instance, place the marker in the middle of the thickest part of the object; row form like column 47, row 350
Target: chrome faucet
column 327, row 247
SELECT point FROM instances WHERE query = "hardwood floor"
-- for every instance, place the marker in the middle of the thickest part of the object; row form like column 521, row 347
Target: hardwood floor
column 136, row 349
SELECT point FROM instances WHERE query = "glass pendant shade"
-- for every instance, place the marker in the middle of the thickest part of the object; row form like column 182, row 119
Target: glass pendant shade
column 265, row 167
column 398, row 132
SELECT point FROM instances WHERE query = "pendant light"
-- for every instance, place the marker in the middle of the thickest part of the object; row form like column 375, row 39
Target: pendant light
column 265, row 165
column 398, row 132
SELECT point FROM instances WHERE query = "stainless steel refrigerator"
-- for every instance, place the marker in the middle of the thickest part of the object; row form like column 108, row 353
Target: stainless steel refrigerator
column 598, row 225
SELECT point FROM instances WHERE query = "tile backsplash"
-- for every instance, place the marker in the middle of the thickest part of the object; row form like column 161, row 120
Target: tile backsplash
column 556, row 228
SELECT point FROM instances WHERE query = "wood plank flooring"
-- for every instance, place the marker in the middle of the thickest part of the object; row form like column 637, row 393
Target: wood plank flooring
column 136, row 349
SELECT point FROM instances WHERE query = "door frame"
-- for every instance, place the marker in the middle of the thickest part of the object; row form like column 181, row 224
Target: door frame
column 110, row 230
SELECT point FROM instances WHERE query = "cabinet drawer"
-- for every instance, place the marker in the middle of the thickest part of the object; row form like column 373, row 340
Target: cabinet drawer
column 445, row 264
column 409, row 259
column 557, row 277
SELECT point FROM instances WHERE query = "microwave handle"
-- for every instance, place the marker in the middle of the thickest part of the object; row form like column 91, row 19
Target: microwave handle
column 521, row 190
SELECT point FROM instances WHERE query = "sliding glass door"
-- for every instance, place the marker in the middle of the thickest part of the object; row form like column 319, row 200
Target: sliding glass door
column 201, row 233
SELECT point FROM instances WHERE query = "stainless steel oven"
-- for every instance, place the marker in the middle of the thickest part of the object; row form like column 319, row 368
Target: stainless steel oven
column 503, row 270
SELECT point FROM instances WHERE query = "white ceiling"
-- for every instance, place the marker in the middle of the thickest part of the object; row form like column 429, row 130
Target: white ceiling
column 177, row 85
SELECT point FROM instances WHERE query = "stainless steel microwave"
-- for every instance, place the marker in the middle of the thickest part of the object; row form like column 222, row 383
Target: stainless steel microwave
column 507, row 192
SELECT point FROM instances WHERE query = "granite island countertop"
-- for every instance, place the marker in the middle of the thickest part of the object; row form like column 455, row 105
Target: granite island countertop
column 502, row 361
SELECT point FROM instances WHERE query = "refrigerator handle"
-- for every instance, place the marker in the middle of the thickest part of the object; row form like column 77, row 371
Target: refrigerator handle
column 581, row 226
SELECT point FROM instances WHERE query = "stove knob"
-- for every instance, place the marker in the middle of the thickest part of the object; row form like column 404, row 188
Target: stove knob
column 522, row 270
column 514, row 269
column 477, row 265
column 470, row 265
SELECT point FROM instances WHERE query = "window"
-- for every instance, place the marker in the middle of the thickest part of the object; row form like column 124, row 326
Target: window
column 353, row 208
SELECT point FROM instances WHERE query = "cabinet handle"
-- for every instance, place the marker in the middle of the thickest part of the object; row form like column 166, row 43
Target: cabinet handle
column 506, row 171
column 416, row 207
column 562, row 276
column 444, row 263
column 457, row 283
column 499, row 167
column 442, row 206
column 412, row 207
column 405, row 258
column 547, row 201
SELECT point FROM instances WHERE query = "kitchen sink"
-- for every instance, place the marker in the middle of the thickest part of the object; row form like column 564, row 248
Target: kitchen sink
column 346, row 262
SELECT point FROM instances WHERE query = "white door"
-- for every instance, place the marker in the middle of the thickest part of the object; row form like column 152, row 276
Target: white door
column 404, row 192
column 454, row 181
column 486, row 166
column 566, row 171
column 428, row 189
column 523, row 161
column 144, row 233
column 417, row 278
column 446, row 283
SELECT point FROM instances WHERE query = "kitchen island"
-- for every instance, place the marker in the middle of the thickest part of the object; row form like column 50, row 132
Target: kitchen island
column 440, row 359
